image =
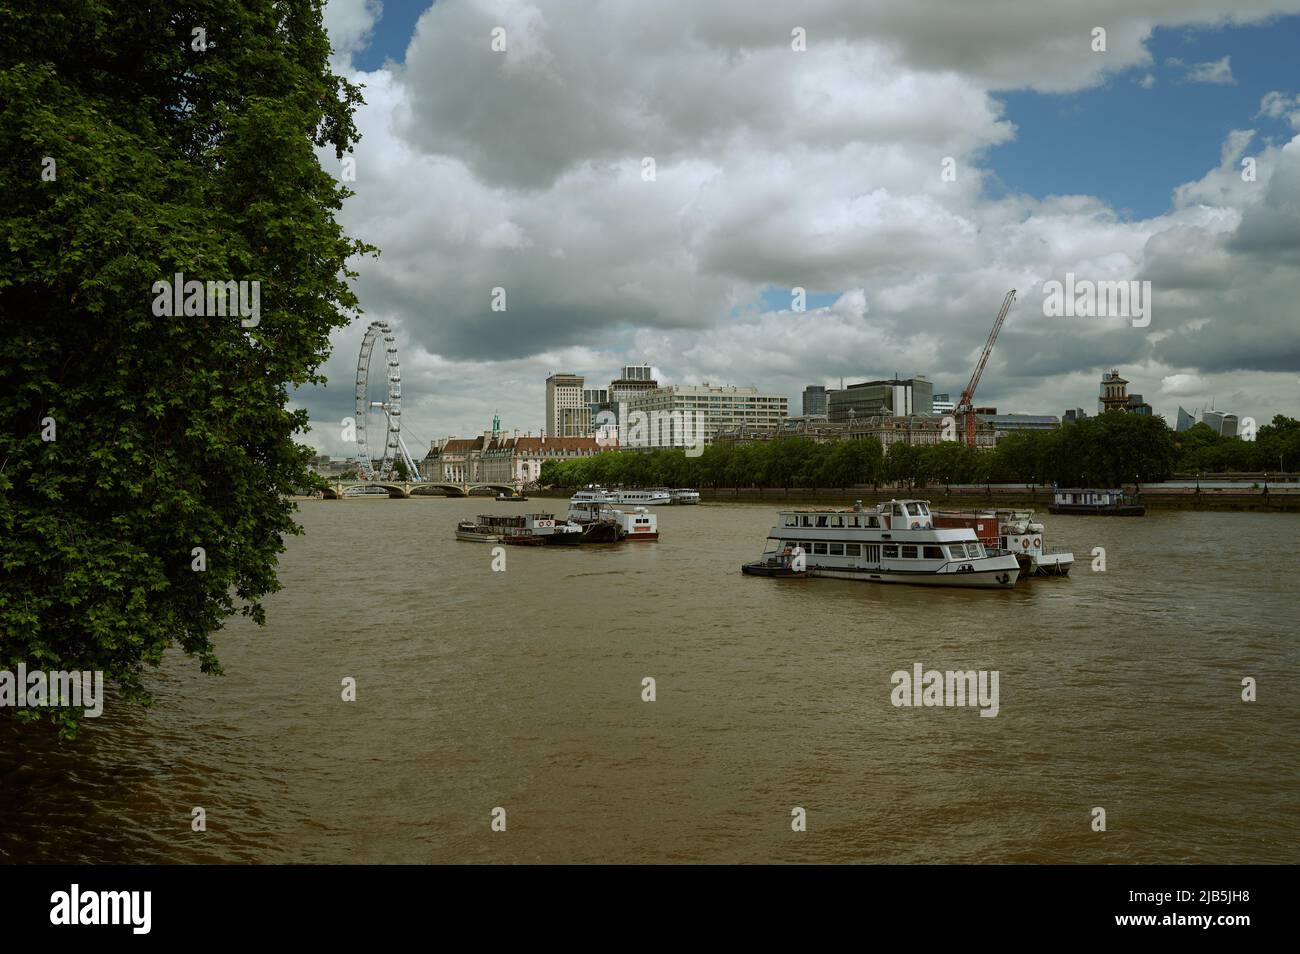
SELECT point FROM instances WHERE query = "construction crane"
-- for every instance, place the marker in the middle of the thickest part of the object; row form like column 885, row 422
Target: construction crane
column 967, row 405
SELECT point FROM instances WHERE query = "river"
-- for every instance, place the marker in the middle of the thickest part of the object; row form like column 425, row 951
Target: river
column 522, row 690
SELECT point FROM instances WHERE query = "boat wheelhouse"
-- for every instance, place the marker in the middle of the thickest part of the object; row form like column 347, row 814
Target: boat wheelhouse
column 1086, row 500
column 896, row 542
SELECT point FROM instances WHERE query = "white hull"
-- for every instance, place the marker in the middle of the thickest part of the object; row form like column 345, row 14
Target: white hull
column 1000, row 578
column 470, row 537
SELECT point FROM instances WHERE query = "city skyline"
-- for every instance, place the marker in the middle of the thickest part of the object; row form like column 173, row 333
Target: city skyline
column 1125, row 165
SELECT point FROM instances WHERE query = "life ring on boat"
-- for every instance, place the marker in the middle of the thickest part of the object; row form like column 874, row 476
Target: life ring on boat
column 1038, row 542
column 1024, row 544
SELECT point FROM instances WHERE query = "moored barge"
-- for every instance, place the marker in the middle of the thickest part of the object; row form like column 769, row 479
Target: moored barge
column 1101, row 503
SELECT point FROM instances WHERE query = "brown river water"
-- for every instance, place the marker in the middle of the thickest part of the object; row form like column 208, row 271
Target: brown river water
column 523, row 690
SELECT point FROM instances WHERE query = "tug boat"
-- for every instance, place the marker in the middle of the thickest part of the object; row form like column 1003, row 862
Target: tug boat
column 603, row 523
column 896, row 542
column 597, row 527
column 1102, row 503
column 1015, row 531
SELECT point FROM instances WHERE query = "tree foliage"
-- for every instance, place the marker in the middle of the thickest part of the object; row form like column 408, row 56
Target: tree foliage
column 171, row 432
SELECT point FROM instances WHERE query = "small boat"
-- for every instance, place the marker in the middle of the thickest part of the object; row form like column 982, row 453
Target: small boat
column 504, row 497
column 1101, row 503
column 681, row 496
column 782, row 567
column 472, row 532
column 896, row 542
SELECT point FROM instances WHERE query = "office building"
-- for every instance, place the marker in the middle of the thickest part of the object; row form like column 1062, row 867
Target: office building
column 564, row 391
column 814, row 401
column 894, row 397
column 713, row 407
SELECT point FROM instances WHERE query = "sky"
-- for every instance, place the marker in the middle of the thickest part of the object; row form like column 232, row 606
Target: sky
column 902, row 164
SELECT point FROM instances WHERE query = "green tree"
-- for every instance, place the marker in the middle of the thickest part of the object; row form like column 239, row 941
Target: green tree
column 129, row 153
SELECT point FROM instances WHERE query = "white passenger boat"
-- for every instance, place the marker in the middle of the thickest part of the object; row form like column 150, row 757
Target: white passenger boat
column 684, row 495
column 895, row 542
column 592, row 495
column 654, row 497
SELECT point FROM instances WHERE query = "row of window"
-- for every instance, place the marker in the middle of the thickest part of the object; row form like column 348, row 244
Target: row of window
column 890, row 551
column 871, row 522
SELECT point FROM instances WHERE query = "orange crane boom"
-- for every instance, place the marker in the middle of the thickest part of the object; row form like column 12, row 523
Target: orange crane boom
column 966, row 407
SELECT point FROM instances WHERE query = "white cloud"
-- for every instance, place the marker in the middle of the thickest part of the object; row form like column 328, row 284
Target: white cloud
column 1218, row 71
column 777, row 168
column 349, row 24
column 1276, row 105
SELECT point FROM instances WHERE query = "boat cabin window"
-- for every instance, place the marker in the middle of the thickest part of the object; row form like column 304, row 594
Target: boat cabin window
column 852, row 549
column 790, row 520
column 819, row 548
column 805, row 521
column 891, row 551
column 837, row 521
column 909, row 552
column 821, row 521
column 915, row 510
column 933, row 553
column 853, row 522
column 836, row 549
column 897, row 510
column 957, row 551
column 873, row 523
column 973, row 550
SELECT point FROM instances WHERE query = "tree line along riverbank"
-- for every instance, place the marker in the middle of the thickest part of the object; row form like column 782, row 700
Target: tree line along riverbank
column 1110, row 450
column 1278, row 500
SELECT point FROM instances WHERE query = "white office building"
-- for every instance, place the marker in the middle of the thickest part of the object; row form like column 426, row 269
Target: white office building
column 705, row 406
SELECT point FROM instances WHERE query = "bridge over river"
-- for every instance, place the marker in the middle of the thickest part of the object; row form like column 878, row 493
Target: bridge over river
column 401, row 489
